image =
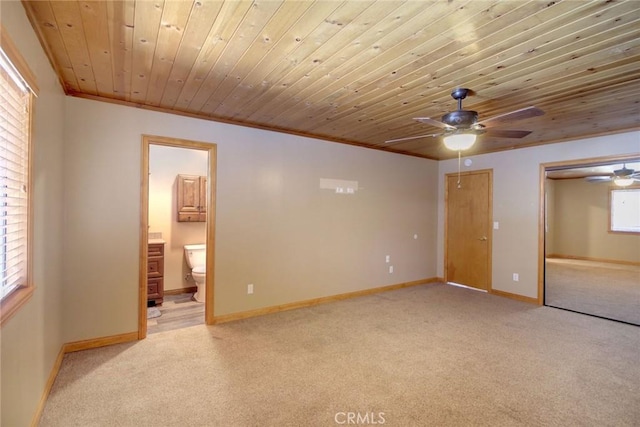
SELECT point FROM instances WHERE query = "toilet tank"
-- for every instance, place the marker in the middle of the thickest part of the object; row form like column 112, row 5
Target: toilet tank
column 196, row 255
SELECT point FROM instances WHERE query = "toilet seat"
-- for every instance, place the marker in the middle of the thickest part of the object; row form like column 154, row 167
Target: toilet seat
column 201, row 269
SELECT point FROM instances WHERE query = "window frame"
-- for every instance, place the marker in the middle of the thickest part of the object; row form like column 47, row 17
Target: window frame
column 634, row 187
column 12, row 302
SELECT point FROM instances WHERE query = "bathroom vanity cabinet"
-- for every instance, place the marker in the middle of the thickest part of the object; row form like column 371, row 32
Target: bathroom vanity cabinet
column 155, row 273
column 192, row 198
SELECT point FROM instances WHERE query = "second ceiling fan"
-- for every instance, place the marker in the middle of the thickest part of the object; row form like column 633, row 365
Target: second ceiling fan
column 461, row 127
column 622, row 177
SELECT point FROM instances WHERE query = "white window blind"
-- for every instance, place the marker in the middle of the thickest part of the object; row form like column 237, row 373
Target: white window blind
column 14, row 177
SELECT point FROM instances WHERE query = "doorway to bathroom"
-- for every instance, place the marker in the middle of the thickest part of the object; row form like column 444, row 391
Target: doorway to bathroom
column 175, row 213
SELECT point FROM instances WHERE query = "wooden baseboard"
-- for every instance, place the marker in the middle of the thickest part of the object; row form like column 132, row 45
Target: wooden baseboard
column 181, row 291
column 586, row 258
column 47, row 388
column 133, row 336
column 99, row 342
column 70, row 348
column 315, row 301
column 515, row 296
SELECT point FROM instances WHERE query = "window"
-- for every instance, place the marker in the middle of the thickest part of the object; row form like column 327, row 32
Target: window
column 625, row 210
column 17, row 88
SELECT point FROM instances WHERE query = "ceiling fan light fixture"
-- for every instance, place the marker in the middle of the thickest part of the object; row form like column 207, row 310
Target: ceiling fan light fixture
column 459, row 141
column 623, row 181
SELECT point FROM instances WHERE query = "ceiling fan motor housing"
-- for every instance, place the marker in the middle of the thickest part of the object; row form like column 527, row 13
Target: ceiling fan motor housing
column 624, row 172
column 460, row 118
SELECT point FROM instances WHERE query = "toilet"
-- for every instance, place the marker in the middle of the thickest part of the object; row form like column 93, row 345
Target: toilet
column 196, row 256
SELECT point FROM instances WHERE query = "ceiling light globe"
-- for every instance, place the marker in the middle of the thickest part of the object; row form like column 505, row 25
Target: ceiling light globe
column 623, row 182
column 459, row 141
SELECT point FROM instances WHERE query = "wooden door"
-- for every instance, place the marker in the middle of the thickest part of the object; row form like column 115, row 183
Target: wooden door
column 468, row 228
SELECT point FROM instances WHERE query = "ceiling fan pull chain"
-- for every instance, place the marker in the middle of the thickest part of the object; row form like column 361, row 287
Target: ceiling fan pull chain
column 459, row 158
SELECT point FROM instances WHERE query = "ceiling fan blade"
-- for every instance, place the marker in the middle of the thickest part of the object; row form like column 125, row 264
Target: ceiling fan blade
column 598, row 178
column 505, row 133
column 433, row 122
column 523, row 113
column 629, row 173
column 412, row 137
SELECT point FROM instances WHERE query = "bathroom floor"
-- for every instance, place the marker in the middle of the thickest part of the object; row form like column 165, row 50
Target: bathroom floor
column 177, row 311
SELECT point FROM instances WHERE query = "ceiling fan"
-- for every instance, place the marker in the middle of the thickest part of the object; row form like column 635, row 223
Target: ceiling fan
column 462, row 126
column 623, row 177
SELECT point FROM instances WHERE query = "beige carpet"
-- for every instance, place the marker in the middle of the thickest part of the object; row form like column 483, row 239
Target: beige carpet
column 597, row 288
column 432, row 355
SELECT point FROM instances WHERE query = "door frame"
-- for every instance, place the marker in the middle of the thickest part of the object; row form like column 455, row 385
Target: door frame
column 542, row 217
column 211, row 148
column 489, row 225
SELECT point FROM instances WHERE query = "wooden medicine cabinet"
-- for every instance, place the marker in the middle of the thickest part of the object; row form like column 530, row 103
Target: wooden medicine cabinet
column 192, row 198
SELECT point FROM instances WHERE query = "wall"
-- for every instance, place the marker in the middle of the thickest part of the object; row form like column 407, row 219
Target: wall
column 516, row 194
column 582, row 217
column 165, row 163
column 32, row 338
column 275, row 227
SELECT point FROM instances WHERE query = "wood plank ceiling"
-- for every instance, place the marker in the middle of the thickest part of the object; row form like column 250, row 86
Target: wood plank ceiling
column 356, row 72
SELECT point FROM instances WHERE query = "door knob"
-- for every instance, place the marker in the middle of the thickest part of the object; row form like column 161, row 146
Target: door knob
column 483, row 238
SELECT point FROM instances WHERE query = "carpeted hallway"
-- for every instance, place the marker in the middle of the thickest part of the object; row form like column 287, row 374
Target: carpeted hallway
column 430, row 355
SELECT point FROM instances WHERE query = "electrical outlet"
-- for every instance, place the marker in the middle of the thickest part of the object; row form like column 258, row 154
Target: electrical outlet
column 387, row 258
column 390, row 269
column 516, row 277
column 250, row 288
